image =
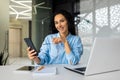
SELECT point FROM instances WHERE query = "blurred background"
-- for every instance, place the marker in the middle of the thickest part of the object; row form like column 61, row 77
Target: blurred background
column 31, row 18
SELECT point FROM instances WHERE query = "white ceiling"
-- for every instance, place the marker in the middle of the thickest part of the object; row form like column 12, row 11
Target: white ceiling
column 20, row 9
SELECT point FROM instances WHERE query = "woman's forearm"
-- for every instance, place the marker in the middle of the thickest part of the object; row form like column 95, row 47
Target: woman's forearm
column 67, row 47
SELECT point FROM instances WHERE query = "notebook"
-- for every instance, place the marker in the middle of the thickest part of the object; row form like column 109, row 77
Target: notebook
column 44, row 71
column 104, row 57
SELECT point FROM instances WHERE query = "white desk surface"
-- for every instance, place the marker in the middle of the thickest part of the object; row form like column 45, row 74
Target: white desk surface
column 7, row 73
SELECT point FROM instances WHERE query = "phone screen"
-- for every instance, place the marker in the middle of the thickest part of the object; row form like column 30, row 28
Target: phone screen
column 29, row 43
column 26, row 68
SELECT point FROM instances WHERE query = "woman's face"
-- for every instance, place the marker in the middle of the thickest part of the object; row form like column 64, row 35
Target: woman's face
column 61, row 24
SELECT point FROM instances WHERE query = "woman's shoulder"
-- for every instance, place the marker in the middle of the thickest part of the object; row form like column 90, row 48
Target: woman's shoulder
column 75, row 36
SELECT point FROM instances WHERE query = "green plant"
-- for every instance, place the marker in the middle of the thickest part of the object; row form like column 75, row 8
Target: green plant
column 1, row 58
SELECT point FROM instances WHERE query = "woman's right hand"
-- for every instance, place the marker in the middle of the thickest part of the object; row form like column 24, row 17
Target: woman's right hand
column 31, row 53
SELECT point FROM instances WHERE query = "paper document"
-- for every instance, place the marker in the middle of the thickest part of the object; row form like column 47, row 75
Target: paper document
column 45, row 71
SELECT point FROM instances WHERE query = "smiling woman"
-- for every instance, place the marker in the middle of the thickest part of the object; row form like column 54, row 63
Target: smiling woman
column 62, row 46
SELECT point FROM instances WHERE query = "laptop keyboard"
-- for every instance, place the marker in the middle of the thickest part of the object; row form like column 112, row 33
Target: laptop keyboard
column 81, row 69
column 77, row 70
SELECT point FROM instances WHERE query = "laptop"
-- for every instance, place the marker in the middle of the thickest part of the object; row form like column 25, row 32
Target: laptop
column 104, row 57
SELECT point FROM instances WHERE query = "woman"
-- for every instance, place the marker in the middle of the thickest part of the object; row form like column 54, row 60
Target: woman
column 62, row 46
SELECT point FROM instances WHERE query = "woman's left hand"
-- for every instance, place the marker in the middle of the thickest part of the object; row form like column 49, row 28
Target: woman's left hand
column 57, row 40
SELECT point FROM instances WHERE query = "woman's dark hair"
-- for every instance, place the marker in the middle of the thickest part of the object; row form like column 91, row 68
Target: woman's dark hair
column 69, row 18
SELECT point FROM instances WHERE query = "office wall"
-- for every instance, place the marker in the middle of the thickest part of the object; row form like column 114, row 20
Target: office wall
column 98, row 18
column 23, row 25
column 40, row 21
column 4, row 21
column 67, row 5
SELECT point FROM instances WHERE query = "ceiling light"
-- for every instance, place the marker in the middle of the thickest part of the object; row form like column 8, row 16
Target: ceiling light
column 21, row 9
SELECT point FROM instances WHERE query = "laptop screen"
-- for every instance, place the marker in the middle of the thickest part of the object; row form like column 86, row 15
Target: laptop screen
column 104, row 57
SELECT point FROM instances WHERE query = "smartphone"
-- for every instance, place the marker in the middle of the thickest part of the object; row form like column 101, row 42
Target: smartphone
column 30, row 44
column 26, row 68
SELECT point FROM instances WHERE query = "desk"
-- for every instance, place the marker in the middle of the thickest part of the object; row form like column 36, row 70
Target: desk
column 7, row 73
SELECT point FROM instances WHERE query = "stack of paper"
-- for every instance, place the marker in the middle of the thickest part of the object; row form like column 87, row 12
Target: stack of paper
column 45, row 71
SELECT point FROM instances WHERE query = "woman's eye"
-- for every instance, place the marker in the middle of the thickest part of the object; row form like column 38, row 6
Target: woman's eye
column 56, row 22
column 61, row 20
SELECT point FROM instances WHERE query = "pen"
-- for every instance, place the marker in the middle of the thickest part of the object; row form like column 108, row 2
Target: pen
column 40, row 68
